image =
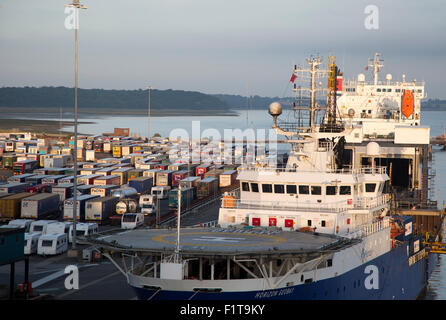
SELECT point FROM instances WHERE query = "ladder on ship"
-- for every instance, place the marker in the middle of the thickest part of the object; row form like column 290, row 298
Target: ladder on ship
column 437, row 243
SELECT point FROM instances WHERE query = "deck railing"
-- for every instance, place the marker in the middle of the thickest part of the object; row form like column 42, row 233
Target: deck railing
column 338, row 206
column 363, row 170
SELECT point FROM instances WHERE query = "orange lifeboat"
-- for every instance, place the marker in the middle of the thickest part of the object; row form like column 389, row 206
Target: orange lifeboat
column 407, row 103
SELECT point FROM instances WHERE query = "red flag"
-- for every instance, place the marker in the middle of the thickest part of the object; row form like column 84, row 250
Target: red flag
column 293, row 77
column 366, row 68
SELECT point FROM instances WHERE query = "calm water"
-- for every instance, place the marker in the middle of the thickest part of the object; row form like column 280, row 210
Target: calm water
column 260, row 119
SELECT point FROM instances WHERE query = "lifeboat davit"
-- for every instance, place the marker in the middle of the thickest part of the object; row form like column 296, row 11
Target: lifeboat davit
column 407, row 103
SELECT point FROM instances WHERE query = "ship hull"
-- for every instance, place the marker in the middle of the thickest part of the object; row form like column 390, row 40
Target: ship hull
column 397, row 280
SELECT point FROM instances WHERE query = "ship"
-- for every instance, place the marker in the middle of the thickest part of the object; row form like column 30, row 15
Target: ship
column 325, row 226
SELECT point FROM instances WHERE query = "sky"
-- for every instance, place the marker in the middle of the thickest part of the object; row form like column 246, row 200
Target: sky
column 217, row 46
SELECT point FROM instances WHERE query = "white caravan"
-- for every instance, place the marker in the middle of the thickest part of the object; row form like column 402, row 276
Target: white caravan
column 83, row 229
column 31, row 242
column 52, row 244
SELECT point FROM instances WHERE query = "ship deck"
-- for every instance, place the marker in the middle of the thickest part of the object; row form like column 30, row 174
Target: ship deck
column 220, row 241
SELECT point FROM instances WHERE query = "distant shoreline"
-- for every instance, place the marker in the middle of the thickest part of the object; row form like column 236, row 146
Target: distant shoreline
column 55, row 112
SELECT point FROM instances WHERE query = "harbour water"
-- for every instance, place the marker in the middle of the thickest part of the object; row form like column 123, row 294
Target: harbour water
column 260, row 119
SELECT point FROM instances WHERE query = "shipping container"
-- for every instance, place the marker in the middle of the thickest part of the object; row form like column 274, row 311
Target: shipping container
column 20, row 177
column 202, row 169
column 99, row 209
column 177, row 176
column 88, row 179
column 64, row 190
column 66, row 179
column 228, row 178
column 105, row 180
column 84, row 189
column 213, row 173
column 81, row 205
column 187, row 197
column 53, row 162
column 105, row 171
column 90, row 155
column 35, row 180
column 164, row 178
column 207, row 187
column 134, row 173
column 117, row 151
column 10, row 206
column 190, row 182
column 14, row 187
column 103, row 191
column 25, row 166
column 98, row 146
column 39, row 188
column 87, row 171
column 90, row 165
column 52, row 179
column 39, row 205
column 122, row 173
column 53, row 171
column 142, row 185
column 177, row 166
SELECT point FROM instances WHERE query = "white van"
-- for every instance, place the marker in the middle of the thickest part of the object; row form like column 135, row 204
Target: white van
column 147, row 203
column 40, row 226
column 58, row 227
column 21, row 223
column 83, row 229
column 31, row 242
column 132, row 220
column 52, row 244
column 162, row 192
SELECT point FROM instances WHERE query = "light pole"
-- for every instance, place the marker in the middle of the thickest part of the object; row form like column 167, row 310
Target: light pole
column 76, row 6
column 148, row 128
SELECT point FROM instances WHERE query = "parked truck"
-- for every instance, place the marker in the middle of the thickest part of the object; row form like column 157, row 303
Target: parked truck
column 39, row 205
column 142, row 184
column 81, row 205
column 10, row 206
column 99, row 209
column 187, row 196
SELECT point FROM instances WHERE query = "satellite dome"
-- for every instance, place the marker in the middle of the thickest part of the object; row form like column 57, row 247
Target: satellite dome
column 388, row 77
column 372, row 149
column 361, row 77
column 275, row 109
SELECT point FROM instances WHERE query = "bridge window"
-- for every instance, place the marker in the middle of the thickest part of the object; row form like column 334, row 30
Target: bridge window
column 279, row 188
column 331, row 190
column 245, row 186
column 316, row 190
column 345, row 190
column 254, row 187
column 267, row 188
column 389, row 90
column 370, row 187
column 291, row 189
column 378, row 90
column 304, row 190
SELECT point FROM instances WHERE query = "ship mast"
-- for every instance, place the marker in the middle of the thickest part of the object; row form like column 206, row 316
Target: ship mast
column 376, row 63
